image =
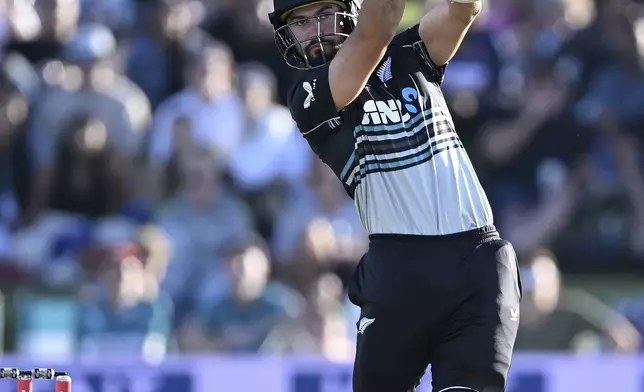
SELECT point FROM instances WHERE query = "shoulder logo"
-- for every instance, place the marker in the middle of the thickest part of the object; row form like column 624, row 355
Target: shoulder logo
column 309, row 88
column 364, row 323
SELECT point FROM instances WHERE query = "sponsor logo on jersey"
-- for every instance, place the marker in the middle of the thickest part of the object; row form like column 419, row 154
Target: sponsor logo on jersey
column 392, row 111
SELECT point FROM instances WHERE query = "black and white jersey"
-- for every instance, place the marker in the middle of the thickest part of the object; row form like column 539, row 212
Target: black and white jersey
column 395, row 148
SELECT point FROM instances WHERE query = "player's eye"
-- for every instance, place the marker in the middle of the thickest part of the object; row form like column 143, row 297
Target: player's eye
column 324, row 16
column 301, row 22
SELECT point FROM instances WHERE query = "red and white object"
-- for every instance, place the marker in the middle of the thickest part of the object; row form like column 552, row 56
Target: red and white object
column 63, row 384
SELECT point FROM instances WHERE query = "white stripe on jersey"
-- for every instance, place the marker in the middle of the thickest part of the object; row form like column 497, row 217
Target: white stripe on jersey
column 421, row 127
column 390, row 202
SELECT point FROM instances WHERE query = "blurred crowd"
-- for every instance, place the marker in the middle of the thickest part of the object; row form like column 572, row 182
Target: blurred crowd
column 156, row 197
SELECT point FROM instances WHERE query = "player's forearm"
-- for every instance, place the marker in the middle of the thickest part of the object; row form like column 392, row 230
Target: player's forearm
column 444, row 26
column 379, row 19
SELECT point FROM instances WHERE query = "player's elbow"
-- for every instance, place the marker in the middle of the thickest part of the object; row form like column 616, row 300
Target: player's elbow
column 465, row 12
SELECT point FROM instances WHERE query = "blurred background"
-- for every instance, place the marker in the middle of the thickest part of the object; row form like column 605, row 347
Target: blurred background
column 157, row 202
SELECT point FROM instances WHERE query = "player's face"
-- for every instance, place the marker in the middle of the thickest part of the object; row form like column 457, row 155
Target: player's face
column 315, row 27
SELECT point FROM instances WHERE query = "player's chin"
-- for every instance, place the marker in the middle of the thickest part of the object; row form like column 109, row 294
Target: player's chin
column 318, row 57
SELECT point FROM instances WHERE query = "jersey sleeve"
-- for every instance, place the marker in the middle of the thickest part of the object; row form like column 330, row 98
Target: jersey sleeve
column 311, row 103
column 410, row 43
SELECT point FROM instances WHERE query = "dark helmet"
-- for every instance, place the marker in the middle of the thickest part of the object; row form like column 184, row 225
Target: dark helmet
column 292, row 49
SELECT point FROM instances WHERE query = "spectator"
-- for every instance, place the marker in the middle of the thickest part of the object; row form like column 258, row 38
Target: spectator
column 14, row 111
column 272, row 159
column 553, row 318
column 325, row 207
column 154, row 56
column 271, row 148
column 42, row 28
column 87, row 178
column 245, row 29
column 612, row 107
column 251, row 309
column 534, row 168
column 128, row 314
column 202, row 220
column 90, row 84
column 322, row 328
column 210, row 102
column 19, row 85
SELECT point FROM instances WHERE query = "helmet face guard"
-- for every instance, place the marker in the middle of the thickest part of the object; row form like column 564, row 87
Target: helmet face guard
column 328, row 28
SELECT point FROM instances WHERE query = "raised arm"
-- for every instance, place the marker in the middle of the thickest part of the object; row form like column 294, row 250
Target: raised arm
column 363, row 49
column 444, row 26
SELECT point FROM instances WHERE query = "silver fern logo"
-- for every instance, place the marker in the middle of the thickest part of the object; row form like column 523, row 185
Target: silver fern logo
column 384, row 71
column 364, row 323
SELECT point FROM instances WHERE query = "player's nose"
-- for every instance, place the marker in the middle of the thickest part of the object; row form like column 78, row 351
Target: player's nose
column 313, row 28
